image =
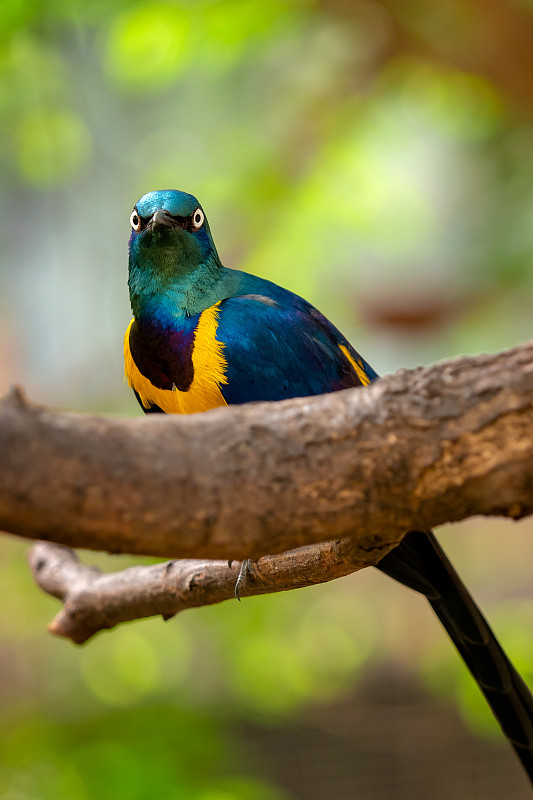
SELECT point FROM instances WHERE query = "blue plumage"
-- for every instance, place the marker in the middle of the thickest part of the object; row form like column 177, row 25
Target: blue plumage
column 278, row 346
column 274, row 344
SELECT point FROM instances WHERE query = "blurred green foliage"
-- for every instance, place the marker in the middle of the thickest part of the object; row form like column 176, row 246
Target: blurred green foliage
column 356, row 153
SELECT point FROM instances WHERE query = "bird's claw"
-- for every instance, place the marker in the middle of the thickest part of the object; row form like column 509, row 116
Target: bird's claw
column 244, row 573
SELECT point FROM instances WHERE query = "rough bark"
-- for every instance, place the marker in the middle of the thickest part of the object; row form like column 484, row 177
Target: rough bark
column 418, row 448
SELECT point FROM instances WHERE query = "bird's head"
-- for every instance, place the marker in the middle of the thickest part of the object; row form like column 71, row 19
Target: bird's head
column 170, row 244
column 171, row 225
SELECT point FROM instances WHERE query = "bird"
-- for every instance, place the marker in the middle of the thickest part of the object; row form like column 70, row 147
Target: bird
column 204, row 336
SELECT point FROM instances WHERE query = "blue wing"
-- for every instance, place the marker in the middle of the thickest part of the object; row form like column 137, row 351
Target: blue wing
column 278, row 346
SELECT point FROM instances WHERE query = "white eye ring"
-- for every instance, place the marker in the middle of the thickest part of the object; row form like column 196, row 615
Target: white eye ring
column 198, row 219
column 135, row 221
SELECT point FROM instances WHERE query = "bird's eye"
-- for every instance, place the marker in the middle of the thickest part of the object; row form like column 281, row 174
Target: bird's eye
column 135, row 221
column 198, row 219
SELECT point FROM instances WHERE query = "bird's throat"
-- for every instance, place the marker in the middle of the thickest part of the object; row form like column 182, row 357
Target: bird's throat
column 166, row 290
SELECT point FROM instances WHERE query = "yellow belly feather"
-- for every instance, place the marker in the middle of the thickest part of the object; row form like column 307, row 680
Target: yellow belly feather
column 209, row 372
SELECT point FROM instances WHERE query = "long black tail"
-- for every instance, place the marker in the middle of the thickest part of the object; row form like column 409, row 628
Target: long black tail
column 420, row 563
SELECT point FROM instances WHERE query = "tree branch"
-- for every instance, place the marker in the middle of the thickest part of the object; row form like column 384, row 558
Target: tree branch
column 416, row 449
column 93, row 601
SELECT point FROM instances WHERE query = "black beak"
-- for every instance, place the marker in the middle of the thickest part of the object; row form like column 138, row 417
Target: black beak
column 161, row 219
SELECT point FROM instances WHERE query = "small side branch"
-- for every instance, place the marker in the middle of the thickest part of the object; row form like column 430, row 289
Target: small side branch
column 95, row 601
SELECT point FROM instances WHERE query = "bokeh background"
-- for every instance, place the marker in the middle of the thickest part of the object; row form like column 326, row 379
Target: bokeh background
column 375, row 156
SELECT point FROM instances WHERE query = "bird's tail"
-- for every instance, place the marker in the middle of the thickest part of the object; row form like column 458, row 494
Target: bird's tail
column 420, row 563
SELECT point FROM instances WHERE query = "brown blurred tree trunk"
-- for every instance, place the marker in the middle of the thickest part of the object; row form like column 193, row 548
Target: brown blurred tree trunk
column 488, row 37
